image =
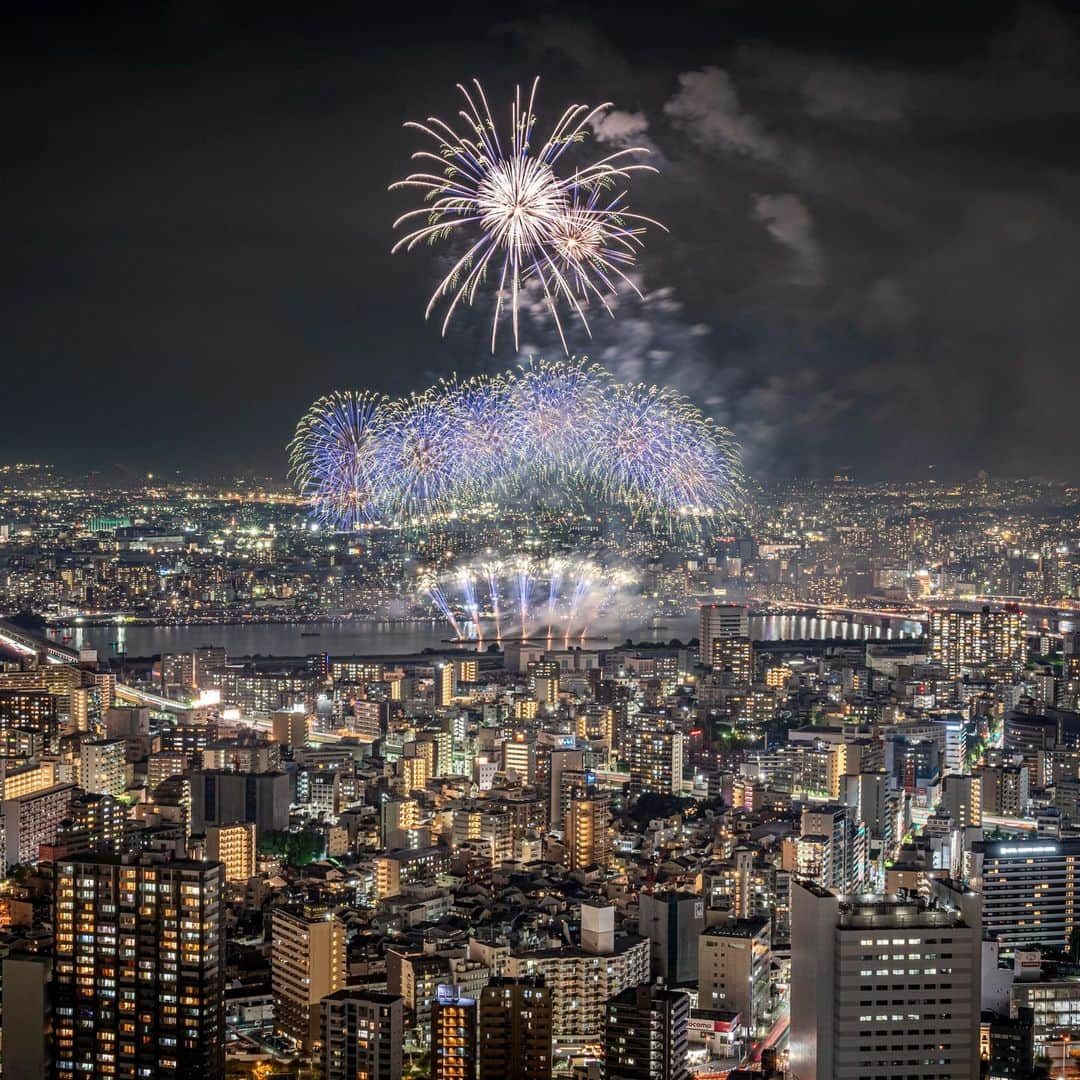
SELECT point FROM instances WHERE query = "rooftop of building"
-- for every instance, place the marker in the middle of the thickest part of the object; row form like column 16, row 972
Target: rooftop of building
column 738, row 928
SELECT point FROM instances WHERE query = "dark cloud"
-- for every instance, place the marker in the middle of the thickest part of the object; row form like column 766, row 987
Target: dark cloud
column 873, row 220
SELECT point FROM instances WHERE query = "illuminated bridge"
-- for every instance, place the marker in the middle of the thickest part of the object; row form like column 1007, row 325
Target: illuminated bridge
column 27, row 642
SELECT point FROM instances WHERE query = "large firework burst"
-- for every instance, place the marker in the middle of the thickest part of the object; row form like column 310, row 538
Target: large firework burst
column 554, row 433
column 520, row 214
column 655, row 452
column 332, row 460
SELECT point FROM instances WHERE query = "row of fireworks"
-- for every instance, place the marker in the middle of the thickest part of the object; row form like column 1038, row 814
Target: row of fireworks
column 555, row 600
column 545, row 434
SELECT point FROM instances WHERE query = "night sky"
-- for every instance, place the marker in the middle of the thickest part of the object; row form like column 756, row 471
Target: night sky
column 874, row 212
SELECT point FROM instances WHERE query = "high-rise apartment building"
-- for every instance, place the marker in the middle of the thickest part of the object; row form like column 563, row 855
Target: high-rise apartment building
column 34, row 819
column 103, row 766
column 654, row 753
column 453, row 1035
column 307, row 962
column 646, row 1035
column 583, row 979
column 235, row 847
column 514, row 1030
column 362, row 1035
column 962, row 640
column 138, row 983
column 961, row 798
column 734, row 657
column 720, row 621
column 177, row 672
column 27, row 1027
column 30, row 710
column 587, row 829
column 882, row 987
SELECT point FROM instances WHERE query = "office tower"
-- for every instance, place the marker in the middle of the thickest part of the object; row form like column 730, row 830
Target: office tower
column 27, row 1015
column 646, row 1035
column 362, row 1035
column 673, row 922
column 655, row 757
column 34, row 819
column 138, row 983
column 103, row 766
column 307, row 962
column 961, row 798
column 882, row 986
column 453, row 1035
column 734, row 961
column 1030, row 889
column 588, row 842
column 234, row 846
column 221, row 798
column 514, row 1030
column 1012, row 1044
column 734, row 656
column 720, row 621
column 963, row 640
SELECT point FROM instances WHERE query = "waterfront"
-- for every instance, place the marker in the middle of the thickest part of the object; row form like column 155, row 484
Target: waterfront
column 359, row 638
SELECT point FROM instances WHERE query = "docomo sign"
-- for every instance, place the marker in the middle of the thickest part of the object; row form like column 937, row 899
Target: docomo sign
column 1037, row 849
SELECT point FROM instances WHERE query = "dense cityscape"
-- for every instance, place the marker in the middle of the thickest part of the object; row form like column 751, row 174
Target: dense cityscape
column 455, row 853
column 540, row 542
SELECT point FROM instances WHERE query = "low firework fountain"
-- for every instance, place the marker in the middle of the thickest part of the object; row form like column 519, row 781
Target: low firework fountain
column 578, row 593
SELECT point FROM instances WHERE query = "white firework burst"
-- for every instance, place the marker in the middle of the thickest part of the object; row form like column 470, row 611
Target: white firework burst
column 523, row 219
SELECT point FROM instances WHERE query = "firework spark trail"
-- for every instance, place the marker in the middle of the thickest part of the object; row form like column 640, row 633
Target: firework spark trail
column 520, row 219
column 581, row 590
column 492, row 570
column 471, row 606
column 524, row 580
column 555, row 576
column 434, row 590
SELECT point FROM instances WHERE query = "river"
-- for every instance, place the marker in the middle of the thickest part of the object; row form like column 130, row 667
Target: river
column 355, row 638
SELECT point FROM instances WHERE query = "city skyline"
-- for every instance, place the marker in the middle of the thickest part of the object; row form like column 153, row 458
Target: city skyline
column 866, row 269
column 541, row 542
